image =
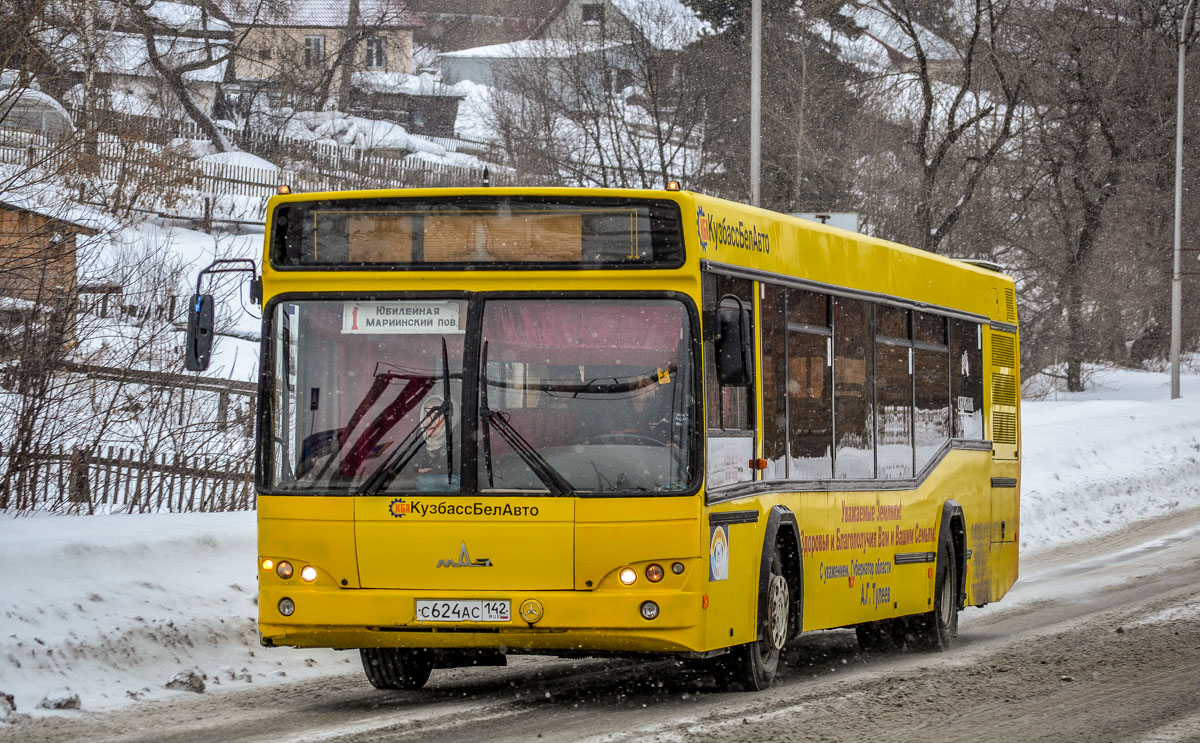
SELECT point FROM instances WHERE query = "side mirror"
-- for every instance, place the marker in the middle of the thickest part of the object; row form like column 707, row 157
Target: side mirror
column 731, row 343
column 199, row 333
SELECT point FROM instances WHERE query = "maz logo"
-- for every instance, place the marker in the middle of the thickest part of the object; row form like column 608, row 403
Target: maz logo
column 465, row 561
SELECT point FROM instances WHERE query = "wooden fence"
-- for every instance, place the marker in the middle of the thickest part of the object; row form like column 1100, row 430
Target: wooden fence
column 116, row 480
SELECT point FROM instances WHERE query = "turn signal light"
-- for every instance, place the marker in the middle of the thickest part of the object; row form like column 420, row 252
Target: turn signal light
column 268, row 564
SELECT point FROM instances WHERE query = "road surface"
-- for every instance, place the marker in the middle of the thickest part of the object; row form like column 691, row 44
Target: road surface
column 1098, row 642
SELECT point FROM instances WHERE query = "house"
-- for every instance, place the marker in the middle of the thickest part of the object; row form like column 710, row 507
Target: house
column 665, row 25
column 466, row 24
column 594, row 44
column 417, row 102
column 39, row 242
column 292, row 48
column 115, row 62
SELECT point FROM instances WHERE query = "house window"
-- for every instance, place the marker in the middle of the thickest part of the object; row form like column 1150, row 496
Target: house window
column 593, row 14
column 314, row 51
column 376, row 55
column 264, row 53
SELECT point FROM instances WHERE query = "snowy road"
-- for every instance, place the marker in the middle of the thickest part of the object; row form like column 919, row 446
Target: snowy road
column 1100, row 641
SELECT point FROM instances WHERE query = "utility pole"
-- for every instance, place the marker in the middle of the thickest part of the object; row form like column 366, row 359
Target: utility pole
column 755, row 100
column 1177, row 272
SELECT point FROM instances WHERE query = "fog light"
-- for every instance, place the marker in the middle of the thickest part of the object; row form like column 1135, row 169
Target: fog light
column 654, row 572
column 287, row 607
column 628, row 576
column 649, row 610
column 284, row 569
column 677, row 568
column 308, row 574
column 268, row 564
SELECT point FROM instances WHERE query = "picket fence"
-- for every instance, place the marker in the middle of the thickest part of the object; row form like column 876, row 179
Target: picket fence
column 116, row 480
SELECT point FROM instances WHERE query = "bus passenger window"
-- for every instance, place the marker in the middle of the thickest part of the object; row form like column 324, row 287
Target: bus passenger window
column 853, row 380
column 966, row 379
column 894, row 393
column 810, row 387
column 727, row 409
column 775, row 381
column 932, row 369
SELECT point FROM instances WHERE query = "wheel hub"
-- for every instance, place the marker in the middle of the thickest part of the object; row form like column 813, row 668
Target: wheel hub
column 777, row 612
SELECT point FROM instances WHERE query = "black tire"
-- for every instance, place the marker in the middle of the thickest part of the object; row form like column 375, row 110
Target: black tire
column 752, row 667
column 396, row 668
column 938, row 629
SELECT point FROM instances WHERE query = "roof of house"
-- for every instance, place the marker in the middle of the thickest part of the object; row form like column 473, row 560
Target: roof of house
column 665, row 24
column 318, row 13
column 531, row 49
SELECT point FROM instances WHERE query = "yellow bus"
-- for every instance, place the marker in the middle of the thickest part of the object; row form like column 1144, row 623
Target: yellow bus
column 620, row 422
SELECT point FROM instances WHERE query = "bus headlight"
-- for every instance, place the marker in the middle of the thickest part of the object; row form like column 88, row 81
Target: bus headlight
column 649, row 610
column 628, row 576
column 287, row 607
column 308, row 574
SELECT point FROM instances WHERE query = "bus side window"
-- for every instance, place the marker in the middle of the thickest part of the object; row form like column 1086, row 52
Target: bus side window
column 932, row 368
column 853, row 390
column 966, row 379
column 774, row 381
column 728, row 409
column 810, row 387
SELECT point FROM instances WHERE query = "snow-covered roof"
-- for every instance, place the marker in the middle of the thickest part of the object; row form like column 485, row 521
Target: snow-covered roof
column 318, row 13
column 665, row 24
column 399, row 82
column 28, row 191
column 180, row 17
column 125, row 54
column 531, row 49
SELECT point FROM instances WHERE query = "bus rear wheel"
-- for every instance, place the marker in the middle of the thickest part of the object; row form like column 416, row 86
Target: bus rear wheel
column 396, row 668
column 938, row 629
column 752, row 667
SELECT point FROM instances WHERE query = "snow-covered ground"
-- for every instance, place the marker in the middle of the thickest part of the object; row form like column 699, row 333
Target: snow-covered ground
column 110, row 608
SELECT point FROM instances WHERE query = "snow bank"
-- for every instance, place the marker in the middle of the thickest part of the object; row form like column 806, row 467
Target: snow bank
column 110, row 608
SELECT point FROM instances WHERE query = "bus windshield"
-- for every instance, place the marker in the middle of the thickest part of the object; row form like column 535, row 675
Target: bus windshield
column 568, row 396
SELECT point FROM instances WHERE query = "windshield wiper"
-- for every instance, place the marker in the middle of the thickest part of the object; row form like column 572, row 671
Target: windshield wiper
column 412, row 442
column 550, row 477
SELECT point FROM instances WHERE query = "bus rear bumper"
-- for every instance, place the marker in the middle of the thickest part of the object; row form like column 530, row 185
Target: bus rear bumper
column 570, row 621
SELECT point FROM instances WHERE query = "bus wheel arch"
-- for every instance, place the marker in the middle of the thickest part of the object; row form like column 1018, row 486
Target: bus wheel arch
column 753, row 666
column 937, row 629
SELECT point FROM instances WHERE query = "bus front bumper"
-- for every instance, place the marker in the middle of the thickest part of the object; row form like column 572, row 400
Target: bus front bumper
column 598, row 621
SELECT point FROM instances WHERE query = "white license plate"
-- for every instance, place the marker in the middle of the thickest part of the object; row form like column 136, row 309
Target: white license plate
column 444, row 610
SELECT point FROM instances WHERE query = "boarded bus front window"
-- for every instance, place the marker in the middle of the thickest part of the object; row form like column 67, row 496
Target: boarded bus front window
column 502, row 230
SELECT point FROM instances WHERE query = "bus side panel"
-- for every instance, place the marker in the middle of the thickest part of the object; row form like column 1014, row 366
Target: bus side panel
column 733, row 555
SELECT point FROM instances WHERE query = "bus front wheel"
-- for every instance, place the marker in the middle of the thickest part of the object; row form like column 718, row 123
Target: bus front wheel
column 396, row 668
column 752, row 667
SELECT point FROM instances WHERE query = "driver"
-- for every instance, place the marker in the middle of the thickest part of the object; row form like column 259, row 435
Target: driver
column 647, row 418
column 431, row 460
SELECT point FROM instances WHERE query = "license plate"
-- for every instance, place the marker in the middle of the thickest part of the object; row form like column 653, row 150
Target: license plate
column 444, row 610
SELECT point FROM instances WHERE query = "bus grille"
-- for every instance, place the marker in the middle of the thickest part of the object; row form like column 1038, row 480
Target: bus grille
column 1004, row 428
column 1004, row 351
